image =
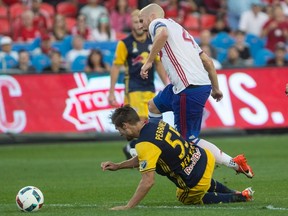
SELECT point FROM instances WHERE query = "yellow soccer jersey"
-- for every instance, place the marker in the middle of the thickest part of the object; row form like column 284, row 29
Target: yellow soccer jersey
column 161, row 148
column 133, row 54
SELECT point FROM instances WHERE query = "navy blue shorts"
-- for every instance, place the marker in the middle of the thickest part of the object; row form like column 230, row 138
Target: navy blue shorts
column 187, row 107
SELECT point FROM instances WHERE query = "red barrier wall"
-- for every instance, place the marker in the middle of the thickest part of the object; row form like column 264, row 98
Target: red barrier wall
column 75, row 103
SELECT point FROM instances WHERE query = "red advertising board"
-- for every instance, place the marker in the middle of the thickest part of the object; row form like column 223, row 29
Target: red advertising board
column 75, row 103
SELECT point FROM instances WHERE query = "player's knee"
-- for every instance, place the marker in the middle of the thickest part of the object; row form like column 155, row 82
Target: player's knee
column 152, row 107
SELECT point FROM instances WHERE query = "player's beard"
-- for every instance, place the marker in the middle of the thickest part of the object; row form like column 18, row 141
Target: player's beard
column 139, row 33
column 129, row 138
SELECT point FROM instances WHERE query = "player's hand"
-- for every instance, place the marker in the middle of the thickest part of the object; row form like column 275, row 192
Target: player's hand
column 217, row 94
column 119, row 208
column 108, row 165
column 286, row 91
column 145, row 69
column 112, row 100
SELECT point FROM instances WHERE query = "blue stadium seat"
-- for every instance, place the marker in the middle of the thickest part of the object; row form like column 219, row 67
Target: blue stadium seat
column 108, row 56
column 107, row 48
column 262, row 56
column 222, row 40
column 17, row 46
column 40, row 61
column 59, row 46
column 109, row 45
column 63, row 46
column 8, row 62
column 221, row 54
column 79, row 64
column 255, row 43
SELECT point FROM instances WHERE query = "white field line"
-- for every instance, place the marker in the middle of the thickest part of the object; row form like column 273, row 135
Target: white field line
column 219, row 207
column 269, row 207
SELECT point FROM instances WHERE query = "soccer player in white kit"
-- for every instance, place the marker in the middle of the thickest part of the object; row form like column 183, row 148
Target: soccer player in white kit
column 193, row 78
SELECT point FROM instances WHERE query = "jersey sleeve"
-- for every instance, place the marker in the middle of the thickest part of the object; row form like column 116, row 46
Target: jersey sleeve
column 120, row 54
column 148, row 155
column 153, row 27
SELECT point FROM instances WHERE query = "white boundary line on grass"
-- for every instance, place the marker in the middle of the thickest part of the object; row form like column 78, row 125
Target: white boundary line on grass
column 269, row 207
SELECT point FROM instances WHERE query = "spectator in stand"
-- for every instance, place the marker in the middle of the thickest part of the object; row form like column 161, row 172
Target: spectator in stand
column 24, row 64
column 95, row 62
column 279, row 60
column 205, row 39
column 6, row 52
column 177, row 9
column 215, row 7
column 76, row 51
column 82, row 29
column 120, row 18
column 8, row 2
column 45, row 46
column 41, row 17
column 59, row 29
column 268, row 9
column 207, row 49
column 55, row 2
column 104, row 32
column 235, row 9
column 253, row 20
column 220, row 26
column 242, row 47
column 276, row 29
column 233, row 59
column 26, row 32
column 93, row 11
column 56, row 63
column 284, row 5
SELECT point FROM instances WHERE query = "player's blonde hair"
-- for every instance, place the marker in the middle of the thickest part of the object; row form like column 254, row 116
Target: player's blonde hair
column 135, row 13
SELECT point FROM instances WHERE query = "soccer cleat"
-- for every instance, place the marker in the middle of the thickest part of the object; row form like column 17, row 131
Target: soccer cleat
column 248, row 193
column 126, row 151
column 244, row 168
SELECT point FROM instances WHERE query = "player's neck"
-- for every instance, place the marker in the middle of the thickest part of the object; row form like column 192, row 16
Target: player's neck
column 140, row 125
column 141, row 38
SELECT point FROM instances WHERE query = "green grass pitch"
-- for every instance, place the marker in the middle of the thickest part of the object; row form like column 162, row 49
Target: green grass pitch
column 70, row 177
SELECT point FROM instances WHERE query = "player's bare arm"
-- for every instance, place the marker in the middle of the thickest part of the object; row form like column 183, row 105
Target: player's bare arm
column 143, row 188
column 159, row 42
column 113, row 79
column 209, row 67
column 131, row 163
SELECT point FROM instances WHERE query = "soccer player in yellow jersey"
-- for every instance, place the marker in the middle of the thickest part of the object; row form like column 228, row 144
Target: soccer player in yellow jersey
column 132, row 52
column 161, row 149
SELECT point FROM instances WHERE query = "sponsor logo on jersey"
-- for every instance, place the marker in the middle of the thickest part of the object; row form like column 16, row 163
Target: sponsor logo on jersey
column 143, row 165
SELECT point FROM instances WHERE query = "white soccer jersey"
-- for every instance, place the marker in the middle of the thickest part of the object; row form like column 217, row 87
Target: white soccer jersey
column 180, row 56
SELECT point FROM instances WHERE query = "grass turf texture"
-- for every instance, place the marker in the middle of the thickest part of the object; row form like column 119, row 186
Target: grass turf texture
column 70, row 177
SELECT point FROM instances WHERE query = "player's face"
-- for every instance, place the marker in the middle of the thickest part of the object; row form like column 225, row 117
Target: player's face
column 144, row 22
column 136, row 26
column 126, row 132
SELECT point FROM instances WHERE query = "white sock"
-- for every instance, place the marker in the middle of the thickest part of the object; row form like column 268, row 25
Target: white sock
column 221, row 157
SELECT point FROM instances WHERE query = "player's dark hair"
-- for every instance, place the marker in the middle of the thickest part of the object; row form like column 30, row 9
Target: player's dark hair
column 124, row 114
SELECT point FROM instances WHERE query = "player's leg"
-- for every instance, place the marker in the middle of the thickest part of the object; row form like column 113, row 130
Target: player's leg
column 160, row 103
column 139, row 101
column 219, row 193
column 214, row 197
column 128, row 149
column 238, row 163
column 188, row 111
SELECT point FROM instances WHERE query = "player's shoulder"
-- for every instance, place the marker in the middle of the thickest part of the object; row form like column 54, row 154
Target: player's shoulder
column 128, row 39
